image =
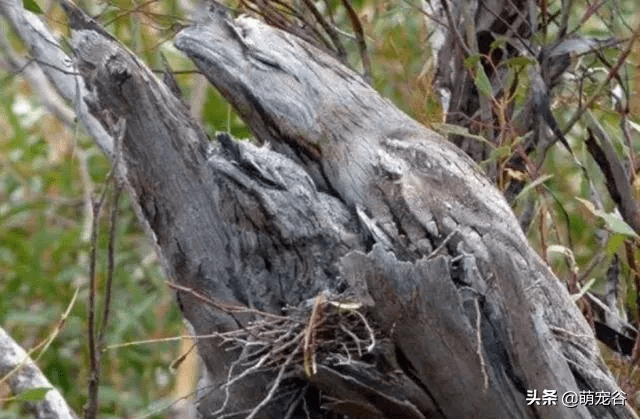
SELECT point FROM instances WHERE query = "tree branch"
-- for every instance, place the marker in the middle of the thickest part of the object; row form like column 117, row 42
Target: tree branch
column 55, row 64
column 25, row 375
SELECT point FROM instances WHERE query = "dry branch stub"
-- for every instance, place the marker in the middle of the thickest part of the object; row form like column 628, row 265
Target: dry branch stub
column 381, row 274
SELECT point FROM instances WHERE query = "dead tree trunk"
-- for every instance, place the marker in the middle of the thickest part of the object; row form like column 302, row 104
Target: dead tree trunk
column 358, row 265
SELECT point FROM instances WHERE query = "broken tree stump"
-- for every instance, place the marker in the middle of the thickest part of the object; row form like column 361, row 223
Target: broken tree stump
column 357, row 265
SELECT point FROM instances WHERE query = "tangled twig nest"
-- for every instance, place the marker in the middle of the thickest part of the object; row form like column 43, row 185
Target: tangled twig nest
column 323, row 329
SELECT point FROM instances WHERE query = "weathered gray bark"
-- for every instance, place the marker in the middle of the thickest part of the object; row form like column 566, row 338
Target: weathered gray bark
column 22, row 374
column 529, row 28
column 352, row 200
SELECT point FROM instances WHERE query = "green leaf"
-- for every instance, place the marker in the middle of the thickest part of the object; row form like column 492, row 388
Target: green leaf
column 509, row 79
column 33, row 394
column 501, row 152
column 472, row 60
column 633, row 125
column 618, row 226
column 482, row 81
column 532, row 185
column 612, row 221
column 583, row 290
column 589, row 205
column 41, row 317
column 499, row 42
column 32, row 6
column 518, row 61
column 446, row 129
column 556, row 248
column 614, row 243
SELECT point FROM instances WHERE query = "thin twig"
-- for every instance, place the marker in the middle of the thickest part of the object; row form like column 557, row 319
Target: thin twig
column 44, row 344
column 110, row 265
column 564, row 19
column 295, row 402
column 372, row 334
column 91, row 408
column 362, row 44
column 442, row 245
column 483, row 364
column 329, row 29
column 354, row 337
column 454, row 28
column 275, row 385
column 225, row 308
column 612, row 72
column 227, row 388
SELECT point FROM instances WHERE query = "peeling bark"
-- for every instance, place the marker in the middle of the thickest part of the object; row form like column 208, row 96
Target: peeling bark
column 350, row 199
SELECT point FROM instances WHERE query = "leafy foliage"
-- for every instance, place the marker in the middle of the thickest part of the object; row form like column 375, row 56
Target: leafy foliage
column 50, row 173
